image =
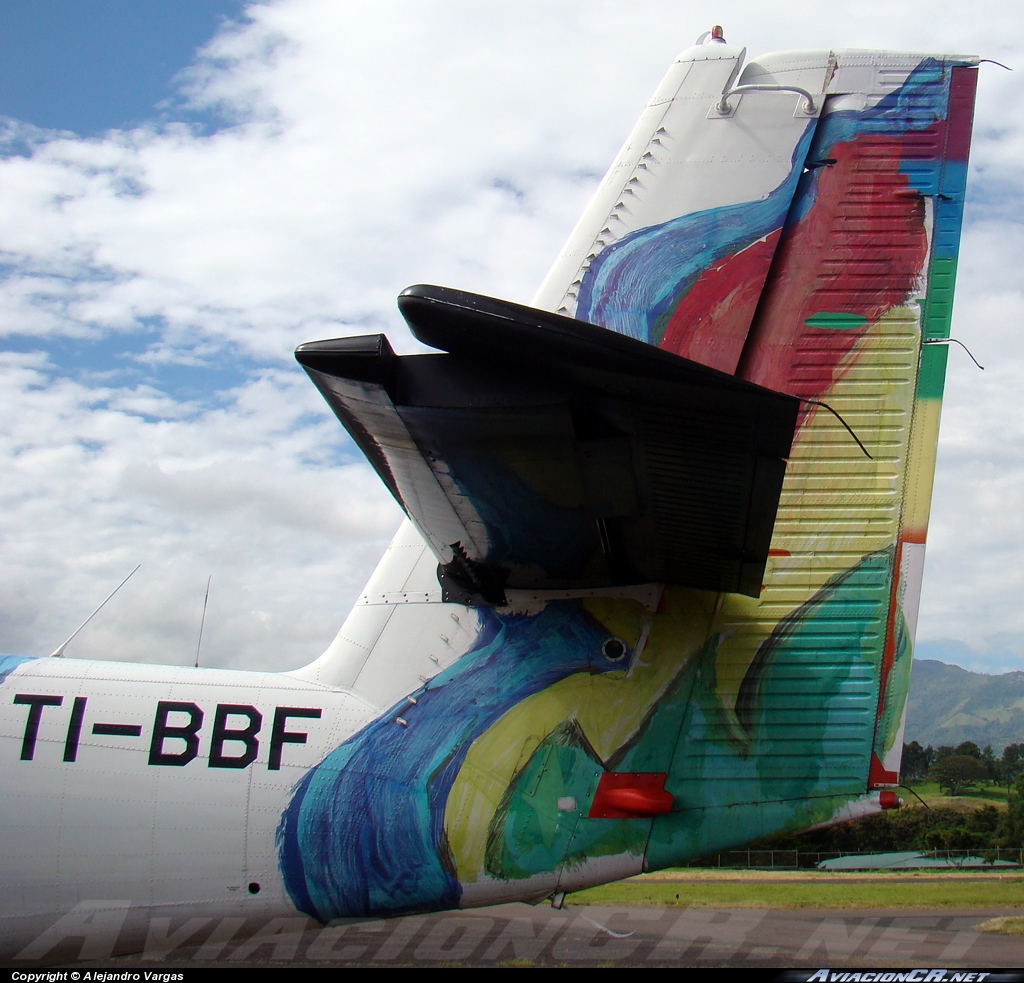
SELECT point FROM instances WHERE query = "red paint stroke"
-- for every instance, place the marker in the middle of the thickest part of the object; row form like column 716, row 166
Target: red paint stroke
column 878, row 777
column 889, row 646
column 711, row 322
column 961, row 112
column 858, row 250
column 775, row 552
column 630, row 795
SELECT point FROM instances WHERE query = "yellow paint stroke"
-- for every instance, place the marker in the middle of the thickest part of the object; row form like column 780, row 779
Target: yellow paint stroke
column 837, row 505
column 924, row 441
column 609, row 708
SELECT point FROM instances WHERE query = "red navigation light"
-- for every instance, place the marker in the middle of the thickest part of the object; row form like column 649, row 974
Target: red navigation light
column 889, row 799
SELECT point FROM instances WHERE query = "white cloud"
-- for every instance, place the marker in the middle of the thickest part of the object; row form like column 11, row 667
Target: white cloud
column 369, row 146
column 96, row 480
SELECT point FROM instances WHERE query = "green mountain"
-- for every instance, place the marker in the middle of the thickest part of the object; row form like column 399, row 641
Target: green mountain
column 949, row 705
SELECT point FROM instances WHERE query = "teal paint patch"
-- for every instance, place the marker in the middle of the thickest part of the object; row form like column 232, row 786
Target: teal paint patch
column 530, row 835
column 800, row 736
column 835, row 321
column 937, row 308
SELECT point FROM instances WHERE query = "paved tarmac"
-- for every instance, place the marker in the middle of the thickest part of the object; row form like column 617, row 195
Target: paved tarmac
column 632, row 936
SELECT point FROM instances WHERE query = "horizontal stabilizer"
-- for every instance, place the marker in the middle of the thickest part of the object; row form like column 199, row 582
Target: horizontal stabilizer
column 537, row 452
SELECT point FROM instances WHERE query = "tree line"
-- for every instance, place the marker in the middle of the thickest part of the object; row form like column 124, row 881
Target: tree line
column 935, row 828
column 979, row 831
column 957, row 768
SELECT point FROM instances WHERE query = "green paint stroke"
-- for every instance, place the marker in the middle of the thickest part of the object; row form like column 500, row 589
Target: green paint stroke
column 795, row 747
column 931, row 376
column 937, row 307
column 834, row 321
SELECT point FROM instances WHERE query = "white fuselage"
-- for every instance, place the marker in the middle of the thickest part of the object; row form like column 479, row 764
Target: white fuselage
column 156, row 786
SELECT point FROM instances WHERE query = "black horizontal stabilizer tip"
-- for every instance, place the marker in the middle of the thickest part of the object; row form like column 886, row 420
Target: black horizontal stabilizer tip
column 469, row 324
column 536, row 343
column 364, row 358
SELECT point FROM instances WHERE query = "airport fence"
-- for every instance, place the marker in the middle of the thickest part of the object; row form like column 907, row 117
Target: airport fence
column 808, row 859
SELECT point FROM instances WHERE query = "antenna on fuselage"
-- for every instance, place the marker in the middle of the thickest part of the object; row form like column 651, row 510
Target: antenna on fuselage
column 58, row 652
column 202, row 623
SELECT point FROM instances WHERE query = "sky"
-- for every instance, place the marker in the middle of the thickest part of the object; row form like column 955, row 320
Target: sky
column 190, row 189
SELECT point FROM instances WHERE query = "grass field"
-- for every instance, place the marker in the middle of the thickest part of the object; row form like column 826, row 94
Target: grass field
column 811, row 889
column 988, row 795
column 745, row 888
column 1008, row 926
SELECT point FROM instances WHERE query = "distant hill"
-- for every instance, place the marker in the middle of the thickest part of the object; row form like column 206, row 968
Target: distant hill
column 949, row 705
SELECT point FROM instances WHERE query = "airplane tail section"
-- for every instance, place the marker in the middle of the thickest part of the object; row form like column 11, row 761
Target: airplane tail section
column 659, row 590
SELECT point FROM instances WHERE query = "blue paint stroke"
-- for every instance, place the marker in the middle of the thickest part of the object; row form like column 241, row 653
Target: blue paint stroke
column 524, row 527
column 8, row 663
column 921, row 102
column 364, row 830
column 949, row 210
column 633, row 286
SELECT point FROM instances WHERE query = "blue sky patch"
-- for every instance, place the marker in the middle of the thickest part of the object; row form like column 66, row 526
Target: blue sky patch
column 102, row 64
